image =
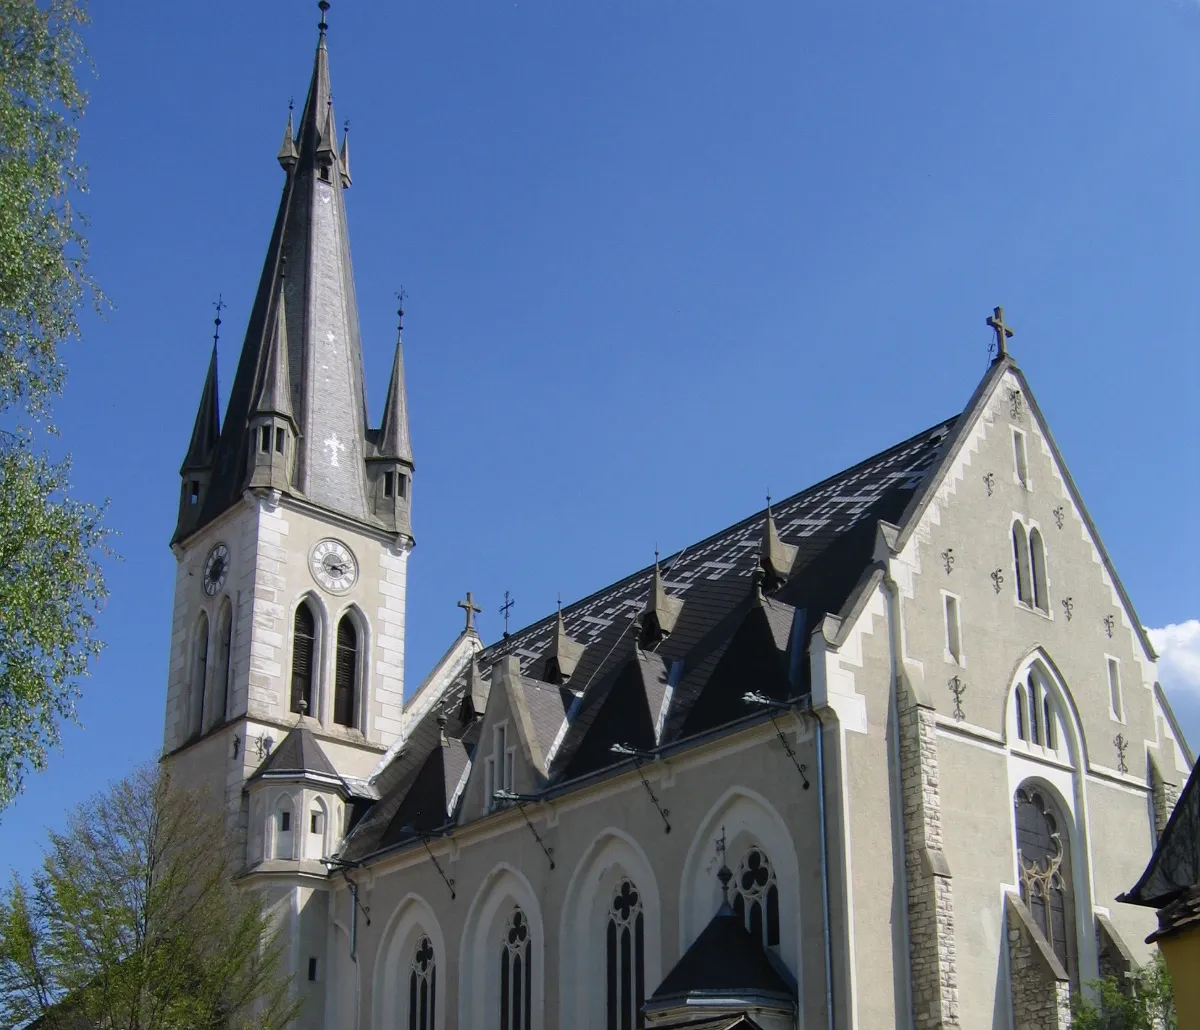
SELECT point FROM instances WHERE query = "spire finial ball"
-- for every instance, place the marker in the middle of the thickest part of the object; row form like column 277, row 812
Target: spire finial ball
column 324, row 6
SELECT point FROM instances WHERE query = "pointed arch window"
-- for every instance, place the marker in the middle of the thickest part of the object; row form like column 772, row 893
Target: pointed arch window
column 1020, row 700
column 304, row 635
column 1037, row 560
column 1021, row 563
column 625, row 946
column 199, row 677
column 1044, row 869
column 756, row 896
column 422, row 987
column 516, row 974
column 345, row 679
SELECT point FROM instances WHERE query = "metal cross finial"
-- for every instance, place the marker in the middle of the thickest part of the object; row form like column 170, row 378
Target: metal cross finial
column 400, row 295
column 291, row 104
column 324, row 6
column 768, row 500
column 471, row 609
column 1003, row 332
column 505, row 608
column 220, row 305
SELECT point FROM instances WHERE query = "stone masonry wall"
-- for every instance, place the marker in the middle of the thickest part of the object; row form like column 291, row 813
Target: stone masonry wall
column 1041, row 991
column 930, row 895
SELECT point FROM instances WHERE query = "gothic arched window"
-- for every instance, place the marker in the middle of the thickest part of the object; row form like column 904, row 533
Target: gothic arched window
column 1037, row 558
column 1020, row 701
column 345, row 672
column 1021, row 562
column 304, row 635
column 220, row 691
column 626, row 958
column 199, row 677
column 516, row 974
column 756, row 896
column 422, row 987
column 1044, row 869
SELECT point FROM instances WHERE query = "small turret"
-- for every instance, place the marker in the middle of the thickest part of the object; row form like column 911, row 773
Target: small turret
column 777, row 558
column 344, row 157
column 391, row 466
column 197, row 467
column 288, row 155
column 272, row 424
column 660, row 612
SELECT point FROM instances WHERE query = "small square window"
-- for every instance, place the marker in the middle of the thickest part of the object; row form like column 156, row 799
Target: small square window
column 389, row 481
column 285, row 822
column 279, row 438
column 316, row 823
column 312, row 969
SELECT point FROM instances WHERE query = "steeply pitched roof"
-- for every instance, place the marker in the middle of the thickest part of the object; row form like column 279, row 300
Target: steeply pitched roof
column 206, row 430
column 618, row 692
column 726, row 960
column 298, row 754
column 1174, row 869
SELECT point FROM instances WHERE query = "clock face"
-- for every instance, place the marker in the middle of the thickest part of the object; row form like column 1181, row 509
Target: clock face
column 333, row 565
column 216, row 569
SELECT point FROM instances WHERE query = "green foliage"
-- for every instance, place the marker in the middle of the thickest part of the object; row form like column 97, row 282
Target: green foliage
column 134, row 922
column 1146, row 1003
column 51, row 585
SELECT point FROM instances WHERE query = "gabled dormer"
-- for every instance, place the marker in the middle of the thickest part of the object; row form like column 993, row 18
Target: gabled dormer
column 563, row 656
column 660, row 612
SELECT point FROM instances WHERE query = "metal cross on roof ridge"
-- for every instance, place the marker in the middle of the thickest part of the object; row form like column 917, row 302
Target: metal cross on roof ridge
column 505, row 608
column 1003, row 332
column 220, row 305
column 471, row 608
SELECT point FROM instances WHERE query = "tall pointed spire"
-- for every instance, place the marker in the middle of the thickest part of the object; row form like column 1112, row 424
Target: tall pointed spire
column 288, row 155
column 310, row 343
column 344, row 156
column 393, row 431
column 206, row 430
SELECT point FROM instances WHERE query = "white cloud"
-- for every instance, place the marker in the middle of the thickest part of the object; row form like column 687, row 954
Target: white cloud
column 1178, row 647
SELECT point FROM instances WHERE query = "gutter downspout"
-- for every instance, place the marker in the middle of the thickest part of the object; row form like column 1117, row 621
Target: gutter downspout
column 828, row 938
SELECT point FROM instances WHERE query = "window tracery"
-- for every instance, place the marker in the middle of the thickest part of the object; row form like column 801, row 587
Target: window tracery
column 422, row 987
column 1043, row 866
column 516, row 973
column 756, row 896
column 625, row 941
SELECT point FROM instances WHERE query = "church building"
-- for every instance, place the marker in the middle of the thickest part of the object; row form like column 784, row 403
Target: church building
column 882, row 755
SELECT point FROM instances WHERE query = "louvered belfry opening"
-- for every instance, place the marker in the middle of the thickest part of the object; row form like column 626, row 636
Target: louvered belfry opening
column 303, row 641
column 346, row 672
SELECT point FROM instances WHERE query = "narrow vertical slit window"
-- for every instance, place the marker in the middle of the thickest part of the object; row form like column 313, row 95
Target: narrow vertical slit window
column 194, row 492
column 1020, row 458
column 264, row 444
column 199, row 677
column 312, row 970
column 401, row 485
column 1035, row 714
column 279, row 438
column 1114, row 690
column 1020, row 705
column 1021, row 563
column 953, row 628
column 1037, row 557
column 389, row 481
column 220, row 691
column 303, row 644
column 346, row 673
column 1051, row 729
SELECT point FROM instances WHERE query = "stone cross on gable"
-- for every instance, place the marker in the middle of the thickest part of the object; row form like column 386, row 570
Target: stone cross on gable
column 471, row 609
column 1003, row 332
column 333, row 445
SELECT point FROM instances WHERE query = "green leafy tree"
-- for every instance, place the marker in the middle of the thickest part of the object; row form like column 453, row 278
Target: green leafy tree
column 1147, row 1002
column 134, row 923
column 51, row 583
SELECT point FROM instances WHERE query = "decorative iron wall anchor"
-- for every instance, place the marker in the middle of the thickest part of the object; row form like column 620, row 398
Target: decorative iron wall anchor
column 958, row 688
column 989, row 480
column 1122, row 745
column 997, row 579
column 1068, row 607
column 948, row 559
column 1016, row 406
column 1060, row 516
column 1109, row 623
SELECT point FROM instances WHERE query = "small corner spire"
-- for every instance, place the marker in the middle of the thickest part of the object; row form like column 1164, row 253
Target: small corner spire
column 344, row 156
column 288, row 155
column 274, row 395
column 775, row 558
column 394, row 439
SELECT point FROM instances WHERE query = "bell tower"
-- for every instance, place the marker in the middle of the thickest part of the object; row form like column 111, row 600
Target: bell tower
column 294, row 525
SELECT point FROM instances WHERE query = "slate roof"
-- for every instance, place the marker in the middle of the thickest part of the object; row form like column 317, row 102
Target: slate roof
column 1174, row 869
column 648, row 697
column 298, row 754
column 725, row 960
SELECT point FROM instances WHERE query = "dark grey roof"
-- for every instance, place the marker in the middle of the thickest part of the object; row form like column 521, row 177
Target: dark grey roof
column 298, row 754
column 324, row 360
column 274, row 394
column 1174, row 869
column 393, row 439
column 725, row 960
column 206, row 430
column 617, row 691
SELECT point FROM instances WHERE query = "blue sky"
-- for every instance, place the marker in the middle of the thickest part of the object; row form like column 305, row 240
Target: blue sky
column 660, row 256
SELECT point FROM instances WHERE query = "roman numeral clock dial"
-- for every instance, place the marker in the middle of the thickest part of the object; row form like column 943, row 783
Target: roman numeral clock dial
column 333, row 566
column 216, row 569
